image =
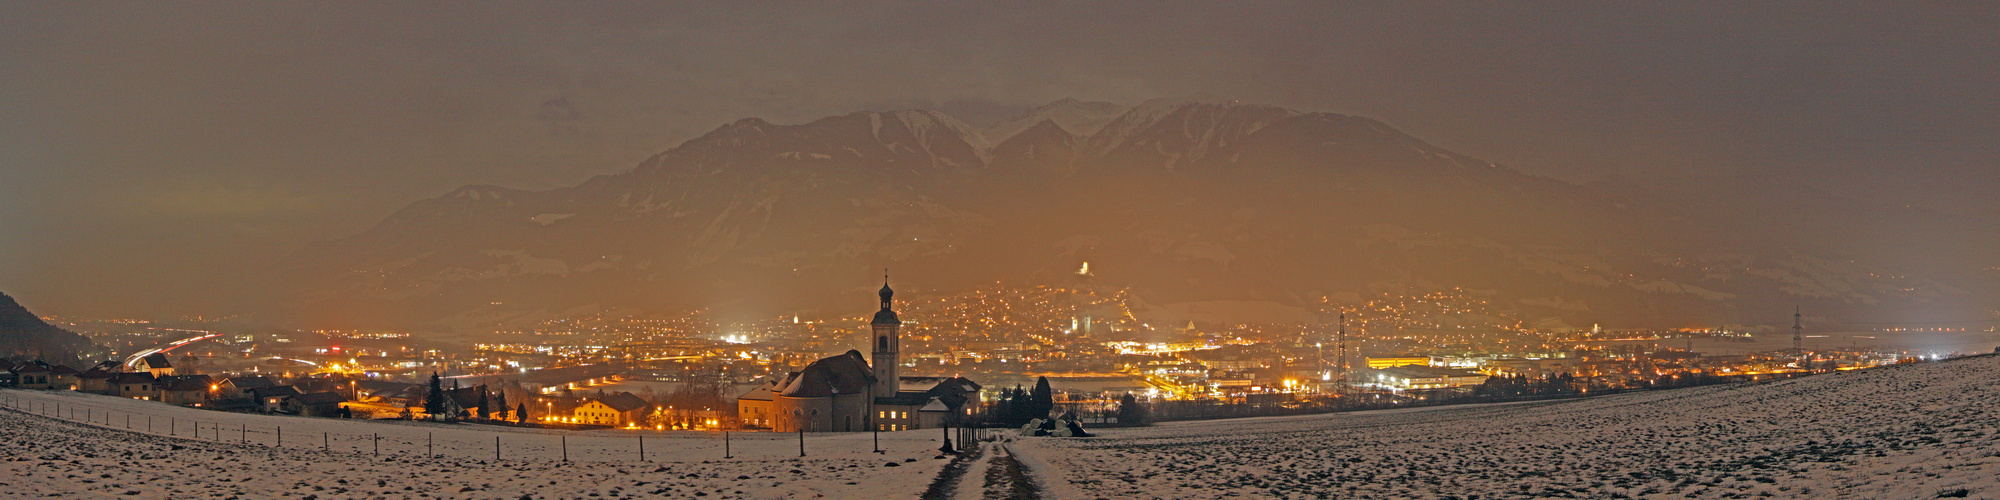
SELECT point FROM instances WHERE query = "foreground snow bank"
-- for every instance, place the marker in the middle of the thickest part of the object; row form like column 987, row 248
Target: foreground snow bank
column 63, row 458
column 1913, row 431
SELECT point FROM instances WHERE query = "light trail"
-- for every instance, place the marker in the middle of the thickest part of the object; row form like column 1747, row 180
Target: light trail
column 133, row 360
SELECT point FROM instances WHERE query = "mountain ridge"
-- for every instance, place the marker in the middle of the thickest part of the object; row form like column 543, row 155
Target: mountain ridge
column 1178, row 199
column 22, row 334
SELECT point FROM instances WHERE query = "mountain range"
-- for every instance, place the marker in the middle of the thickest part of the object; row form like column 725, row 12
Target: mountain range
column 1189, row 201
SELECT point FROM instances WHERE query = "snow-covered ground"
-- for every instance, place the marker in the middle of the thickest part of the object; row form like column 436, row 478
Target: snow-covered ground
column 330, row 458
column 1913, row 431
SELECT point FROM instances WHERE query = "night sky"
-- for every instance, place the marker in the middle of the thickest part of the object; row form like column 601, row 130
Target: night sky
column 167, row 149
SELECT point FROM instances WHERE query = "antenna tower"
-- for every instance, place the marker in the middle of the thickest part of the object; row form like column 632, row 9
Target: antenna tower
column 1798, row 335
column 1342, row 363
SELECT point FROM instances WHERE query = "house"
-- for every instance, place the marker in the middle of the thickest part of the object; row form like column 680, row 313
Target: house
column 756, row 409
column 930, row 408
column 318, row 404
column 155, row 363
column 619, row 409
column 468, row 399
column 391, row 393
column 136, row 385
column 239, row 387
column 97, row 380
column 186, row 389
column 271, row 399
column 64, row 378
column 33, row 375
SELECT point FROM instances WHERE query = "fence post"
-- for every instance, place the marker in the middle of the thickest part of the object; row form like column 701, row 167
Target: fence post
column 642, row 447
column 325, row 444
column 565, row 448
column 281, row 437
column 725, row 444
column 172, row 424
column 378, row 444
column 427, row 445
column 496, row 448
column 243, row 433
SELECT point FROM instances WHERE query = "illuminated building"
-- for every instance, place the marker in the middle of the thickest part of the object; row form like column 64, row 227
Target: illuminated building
column 1408, row 377
column 1380, row 363
column 848, row 393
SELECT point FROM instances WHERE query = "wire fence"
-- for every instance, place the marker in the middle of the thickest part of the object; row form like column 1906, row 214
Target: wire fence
column 404, row 440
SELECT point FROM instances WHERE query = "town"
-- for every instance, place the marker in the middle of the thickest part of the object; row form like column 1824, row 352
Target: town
column 938, row 360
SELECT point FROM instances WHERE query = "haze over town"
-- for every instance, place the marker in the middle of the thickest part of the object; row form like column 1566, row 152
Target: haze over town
column 974, row 243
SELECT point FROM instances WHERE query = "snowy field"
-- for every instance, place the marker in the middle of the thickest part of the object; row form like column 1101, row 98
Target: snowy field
column 239, row 455
column 1914, row 431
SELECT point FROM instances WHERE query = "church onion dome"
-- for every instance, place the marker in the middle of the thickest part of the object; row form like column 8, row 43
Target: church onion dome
column 886, row 293
column 886, row 317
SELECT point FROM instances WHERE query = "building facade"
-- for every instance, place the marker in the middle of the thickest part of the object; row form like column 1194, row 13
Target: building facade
column 847, row 393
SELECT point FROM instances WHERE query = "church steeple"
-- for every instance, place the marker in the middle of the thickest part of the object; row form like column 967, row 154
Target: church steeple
column 888, row 344
column 886, row 316
column 885, row 292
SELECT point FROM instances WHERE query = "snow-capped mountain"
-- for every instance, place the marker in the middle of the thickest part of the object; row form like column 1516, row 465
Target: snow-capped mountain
column 1077, row 117
column 1183, row 200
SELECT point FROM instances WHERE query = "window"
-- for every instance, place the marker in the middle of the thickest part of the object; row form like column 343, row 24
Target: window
column 881, row 343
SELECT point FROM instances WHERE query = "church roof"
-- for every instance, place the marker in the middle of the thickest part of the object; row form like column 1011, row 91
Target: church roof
column 844, row 374
column 886, row 317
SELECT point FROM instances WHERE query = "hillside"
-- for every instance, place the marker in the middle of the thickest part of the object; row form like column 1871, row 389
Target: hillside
column 1181, row 200
column 1912, row 431
column 26, row 335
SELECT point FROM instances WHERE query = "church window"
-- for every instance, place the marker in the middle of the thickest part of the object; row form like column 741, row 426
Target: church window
column 881, row 343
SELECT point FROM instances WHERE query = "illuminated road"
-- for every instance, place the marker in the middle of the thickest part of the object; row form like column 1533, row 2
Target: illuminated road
column 130, row 361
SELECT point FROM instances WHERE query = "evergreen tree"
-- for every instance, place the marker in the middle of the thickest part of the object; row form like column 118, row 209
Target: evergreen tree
column 1131, row 411
column 521, row 413
column 500, row 401
column 1042, row 400
column 434, row 400
column 485, row 406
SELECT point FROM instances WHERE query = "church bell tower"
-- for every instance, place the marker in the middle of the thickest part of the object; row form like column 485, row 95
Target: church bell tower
column 888, row 344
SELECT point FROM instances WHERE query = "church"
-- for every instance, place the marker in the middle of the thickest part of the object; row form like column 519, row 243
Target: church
column 847, row 393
